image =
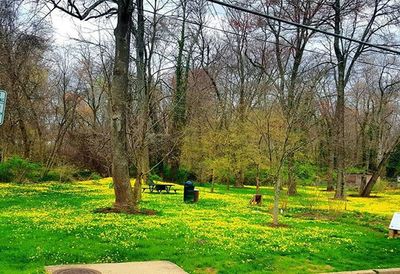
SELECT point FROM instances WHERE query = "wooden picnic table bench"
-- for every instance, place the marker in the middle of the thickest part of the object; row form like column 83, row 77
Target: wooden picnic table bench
column 158, row 187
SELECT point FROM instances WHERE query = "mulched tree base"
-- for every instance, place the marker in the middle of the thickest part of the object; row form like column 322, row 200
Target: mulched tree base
column 278, row 226
column 125, row 211
column 371, row 196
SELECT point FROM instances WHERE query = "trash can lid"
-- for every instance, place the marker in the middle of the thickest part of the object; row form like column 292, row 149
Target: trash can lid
column 189, row 183
column 196, row 190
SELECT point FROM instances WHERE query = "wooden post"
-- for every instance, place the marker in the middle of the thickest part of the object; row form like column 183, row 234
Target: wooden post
column 393, row 234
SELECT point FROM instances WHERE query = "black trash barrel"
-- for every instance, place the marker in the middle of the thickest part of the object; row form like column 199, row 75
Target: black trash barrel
column 188, row 192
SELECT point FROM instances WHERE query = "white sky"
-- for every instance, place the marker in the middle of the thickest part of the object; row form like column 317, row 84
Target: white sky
column 67, row 28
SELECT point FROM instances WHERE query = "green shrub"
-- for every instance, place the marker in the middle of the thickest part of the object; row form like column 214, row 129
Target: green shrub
column 52, row 175
column 306, row 172
column 181, row 175
column 64, row 174
column 83, row 175
column 155, row 177
column 95, row 176
column 19, row 170
column 355, row 170
column 5, row 173
column 250, row 176
column 381, row 185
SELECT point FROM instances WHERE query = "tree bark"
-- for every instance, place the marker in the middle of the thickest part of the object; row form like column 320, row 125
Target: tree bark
column 277, row 193
column 386, row 156
column 212, row 182
column 143, row 162
column 124, row 199
column 331, row 167
column 366, row 192
column 292, row 186
column 340, row 107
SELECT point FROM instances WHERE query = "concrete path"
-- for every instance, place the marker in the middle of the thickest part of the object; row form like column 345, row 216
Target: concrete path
column 372, row 271
column 151, row 267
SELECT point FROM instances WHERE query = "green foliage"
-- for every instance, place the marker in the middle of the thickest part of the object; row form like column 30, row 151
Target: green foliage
column 264, row 176
column 155, row 177
column 306, row 172
column 19, row 170
column 222, row 152
column 5, row 173
column 83, row 175
column 95, row 176
column 222, row 233
column 381, row 185
column 355, row 169
column 393, row 166
column 52, row 175
column 182, row 175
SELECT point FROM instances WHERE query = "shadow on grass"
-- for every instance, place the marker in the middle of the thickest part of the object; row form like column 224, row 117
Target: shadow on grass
column 142, row 211
column 371, row 196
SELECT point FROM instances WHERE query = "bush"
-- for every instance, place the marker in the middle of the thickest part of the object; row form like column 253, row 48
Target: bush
column 5, row 173
column 84, row 175
column 62, row 174
column 306, row 172
column 19, row 170
column 380, row 186
column 181, row 175
column 250, row 176
column 155, row 177
column 52, row 175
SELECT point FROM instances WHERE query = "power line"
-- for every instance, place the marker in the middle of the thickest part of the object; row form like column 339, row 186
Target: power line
column 275, row 18
column 177, row 18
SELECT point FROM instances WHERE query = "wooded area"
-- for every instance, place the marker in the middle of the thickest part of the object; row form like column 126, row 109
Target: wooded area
column 194, row 90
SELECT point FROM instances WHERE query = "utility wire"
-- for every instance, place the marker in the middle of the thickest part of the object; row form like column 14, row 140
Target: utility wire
column 177, row 18
column 275, row 18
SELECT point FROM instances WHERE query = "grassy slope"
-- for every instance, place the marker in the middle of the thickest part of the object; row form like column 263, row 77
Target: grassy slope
column 50, row 224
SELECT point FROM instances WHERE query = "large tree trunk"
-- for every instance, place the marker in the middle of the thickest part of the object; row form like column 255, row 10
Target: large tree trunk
column 143, row 153
column 340, row 142
column 340, row 107
column 119, row 92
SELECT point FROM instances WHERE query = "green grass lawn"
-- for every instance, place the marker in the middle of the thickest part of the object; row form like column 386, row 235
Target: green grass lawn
column 51, row 224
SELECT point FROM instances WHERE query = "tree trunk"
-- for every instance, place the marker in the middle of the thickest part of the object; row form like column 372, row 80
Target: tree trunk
column 239, row 182
column 340, row 107
column 143, row 164
column 368, row 187
column 25, row 139
column 119, row 92
column 212, row 182
column 277, row 193
column 292, row 185
column 331, row 165
column 340, row 144
column 179, row 98
column 258, row 181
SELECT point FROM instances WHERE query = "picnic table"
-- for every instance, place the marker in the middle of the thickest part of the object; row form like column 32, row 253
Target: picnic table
column 158, row 187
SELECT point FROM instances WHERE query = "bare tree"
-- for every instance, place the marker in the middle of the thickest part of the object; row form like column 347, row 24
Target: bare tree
column 347, row 53
column 124, row 198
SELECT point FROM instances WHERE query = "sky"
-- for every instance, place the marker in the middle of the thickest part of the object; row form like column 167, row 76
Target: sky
column 67, row 28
